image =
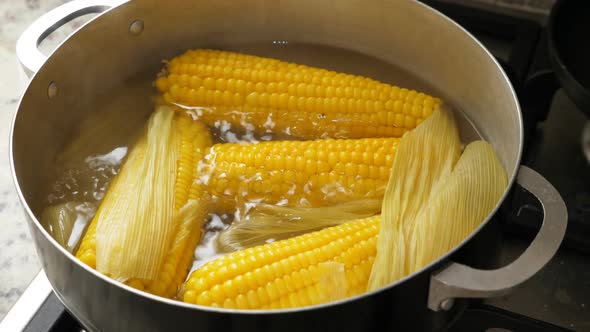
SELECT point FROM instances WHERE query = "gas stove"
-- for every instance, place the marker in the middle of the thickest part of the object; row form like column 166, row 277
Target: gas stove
column 557, row 298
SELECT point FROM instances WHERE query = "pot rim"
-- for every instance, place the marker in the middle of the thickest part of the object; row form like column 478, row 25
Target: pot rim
column 184, row 305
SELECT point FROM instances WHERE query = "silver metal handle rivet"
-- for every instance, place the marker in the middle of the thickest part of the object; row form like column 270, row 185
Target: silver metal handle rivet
column 136, row 27
column 52, row 89
column 447, row 304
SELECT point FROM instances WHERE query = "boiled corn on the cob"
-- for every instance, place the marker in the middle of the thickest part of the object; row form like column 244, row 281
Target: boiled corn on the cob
column 287, row 273
column 299, row 173
column 190, row 139
column 274, row 96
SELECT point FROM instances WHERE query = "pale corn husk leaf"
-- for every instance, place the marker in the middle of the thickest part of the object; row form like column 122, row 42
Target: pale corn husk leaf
column 66, row 222
column 458, row 206
column 136, row 218
column 59, row 220
column 190, row 217
column 424, row 156
column 267, row 223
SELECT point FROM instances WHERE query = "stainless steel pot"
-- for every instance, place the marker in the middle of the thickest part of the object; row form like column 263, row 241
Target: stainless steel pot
column 133, row 36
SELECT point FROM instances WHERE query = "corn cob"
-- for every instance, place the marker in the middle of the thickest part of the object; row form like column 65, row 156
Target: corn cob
column 280, row 97
column 298, row 173
column 192, row 144
column 286, row 273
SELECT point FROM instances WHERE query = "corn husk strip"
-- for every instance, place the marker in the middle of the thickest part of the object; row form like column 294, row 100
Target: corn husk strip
column 189, row 221
column 67, row 221
column 458, row 206
column 135, row 222
column 423, row 219
column 424, row 157
column 267, row 223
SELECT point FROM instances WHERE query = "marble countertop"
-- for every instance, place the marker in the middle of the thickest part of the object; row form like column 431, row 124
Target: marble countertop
column 18, row 260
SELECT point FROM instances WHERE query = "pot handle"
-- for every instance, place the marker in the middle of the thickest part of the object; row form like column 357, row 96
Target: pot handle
column 460, row 281
column 27, row 51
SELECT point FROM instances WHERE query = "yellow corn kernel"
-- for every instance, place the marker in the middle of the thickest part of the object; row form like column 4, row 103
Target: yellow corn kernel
column 288, row 272
column 281, row 97
column 298, row 173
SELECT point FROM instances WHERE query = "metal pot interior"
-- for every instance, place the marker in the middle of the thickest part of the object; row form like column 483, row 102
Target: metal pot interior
column 401, row 42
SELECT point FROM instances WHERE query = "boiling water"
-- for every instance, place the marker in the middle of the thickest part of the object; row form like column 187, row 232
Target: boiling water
column 97, row 149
